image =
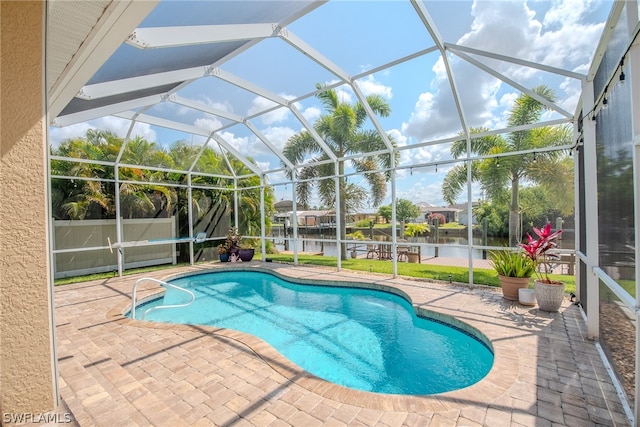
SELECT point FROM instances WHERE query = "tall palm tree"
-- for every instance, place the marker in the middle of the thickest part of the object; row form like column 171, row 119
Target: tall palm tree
column 495, row 175
column 342, row 131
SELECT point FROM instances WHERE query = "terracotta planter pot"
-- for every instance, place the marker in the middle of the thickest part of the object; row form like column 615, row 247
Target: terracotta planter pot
column 548, row 295
column 510, row 286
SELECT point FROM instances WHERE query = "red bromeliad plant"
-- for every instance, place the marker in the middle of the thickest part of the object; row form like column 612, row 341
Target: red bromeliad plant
column 538, row 251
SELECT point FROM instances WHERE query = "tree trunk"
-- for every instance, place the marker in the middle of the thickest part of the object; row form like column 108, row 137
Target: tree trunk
column 514, row 214
column 343, row 211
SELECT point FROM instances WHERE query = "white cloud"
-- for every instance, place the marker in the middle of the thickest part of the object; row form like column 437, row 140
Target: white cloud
column 426, row 186
column 422, row 191
column 370, row 86
column 573, row 91
column 505, row 103
column 207, row 124
column 568, row 12
column 561, row 37
column 222, row 106
column 259, row 104
column 276, row 177
column 421, row 114
column 312, row 114
column 239, row 143
column 278, row 136
column 280, row 115
column 398, row 137
column 345, row 95
column 58, row 135
column 118, row 126
column 263, row 166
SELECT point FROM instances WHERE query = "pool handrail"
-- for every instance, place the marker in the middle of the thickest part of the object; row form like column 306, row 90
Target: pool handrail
column 161, row 283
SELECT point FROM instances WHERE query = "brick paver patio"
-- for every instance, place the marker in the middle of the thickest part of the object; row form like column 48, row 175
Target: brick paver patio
column 119, row 372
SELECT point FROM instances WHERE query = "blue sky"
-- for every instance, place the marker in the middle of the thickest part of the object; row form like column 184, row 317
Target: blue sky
column 360, row 35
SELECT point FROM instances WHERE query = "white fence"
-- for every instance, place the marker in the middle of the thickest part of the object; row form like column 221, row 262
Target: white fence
column 81, row 247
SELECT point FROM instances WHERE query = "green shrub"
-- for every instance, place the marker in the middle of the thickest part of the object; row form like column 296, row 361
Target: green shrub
column 415, row 228
column 356, row 235
column 512, row 263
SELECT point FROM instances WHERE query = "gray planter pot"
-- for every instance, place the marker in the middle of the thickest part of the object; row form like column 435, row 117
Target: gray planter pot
column 549, row 296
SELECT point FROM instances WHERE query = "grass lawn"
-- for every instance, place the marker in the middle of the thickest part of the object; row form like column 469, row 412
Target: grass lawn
column 481, row 276
column 111, row 274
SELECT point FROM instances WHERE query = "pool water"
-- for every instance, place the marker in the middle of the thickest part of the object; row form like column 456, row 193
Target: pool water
column 359, row 338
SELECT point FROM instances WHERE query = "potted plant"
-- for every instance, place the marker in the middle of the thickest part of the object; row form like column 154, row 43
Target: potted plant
column 413, row 257
column 246, row 252
column 233, row 240
column 230, row 245
column 223, row 253
column 549, row 293
column 514, row 271
column 356, row 235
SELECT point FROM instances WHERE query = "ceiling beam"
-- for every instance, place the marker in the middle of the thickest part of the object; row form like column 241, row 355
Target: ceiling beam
column 117, row 87
column 244, row 84
column 165, row 123
column 513, row 83
column 313, row 54
column 428, row 23
column 554, row 70
column 96, row 113
column 270, row 146
column 231, row 149
column 163, row 37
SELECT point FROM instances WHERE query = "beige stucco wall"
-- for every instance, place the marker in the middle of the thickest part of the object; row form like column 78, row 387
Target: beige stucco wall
column 27, row 371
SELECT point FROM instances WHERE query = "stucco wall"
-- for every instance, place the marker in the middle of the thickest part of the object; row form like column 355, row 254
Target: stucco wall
column 26, row 346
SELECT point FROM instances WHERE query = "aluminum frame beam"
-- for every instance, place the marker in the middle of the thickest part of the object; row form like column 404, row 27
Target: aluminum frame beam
column 164, row 37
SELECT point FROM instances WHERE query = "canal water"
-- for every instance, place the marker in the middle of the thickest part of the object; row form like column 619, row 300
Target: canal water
column 453, row 247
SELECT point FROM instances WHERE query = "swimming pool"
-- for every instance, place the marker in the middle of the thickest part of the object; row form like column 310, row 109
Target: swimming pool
column 359, row 338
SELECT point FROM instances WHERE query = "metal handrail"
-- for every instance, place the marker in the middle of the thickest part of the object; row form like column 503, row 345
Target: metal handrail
column 161, row 283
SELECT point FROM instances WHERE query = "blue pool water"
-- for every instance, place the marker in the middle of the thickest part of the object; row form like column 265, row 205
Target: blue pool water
column 363, row 339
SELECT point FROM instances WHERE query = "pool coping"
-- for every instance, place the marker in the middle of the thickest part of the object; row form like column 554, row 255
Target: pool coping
column 502, row 376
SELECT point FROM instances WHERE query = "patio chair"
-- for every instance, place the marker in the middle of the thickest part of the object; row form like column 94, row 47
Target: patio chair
column 403, row 251
column 372, row 250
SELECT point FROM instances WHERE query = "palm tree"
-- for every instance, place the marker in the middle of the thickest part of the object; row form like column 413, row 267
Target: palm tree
column 496, row 175
column 342, row 131
column 89, row 199
column 84, row 197
column 145, row 200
